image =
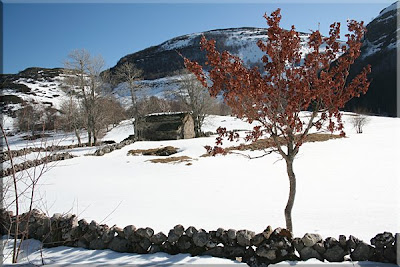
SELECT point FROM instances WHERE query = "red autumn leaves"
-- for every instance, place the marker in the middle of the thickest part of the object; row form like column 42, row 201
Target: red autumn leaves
column 290, row 82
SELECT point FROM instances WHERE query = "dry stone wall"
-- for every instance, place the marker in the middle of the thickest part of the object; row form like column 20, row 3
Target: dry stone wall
column 4, row 156
column 270, row 246
column 36, row 162
column 111, row 147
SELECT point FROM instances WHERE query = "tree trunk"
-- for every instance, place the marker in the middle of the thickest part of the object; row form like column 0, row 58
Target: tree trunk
column 196, row 128
column 94, row 136
column 292, row 193
column 89, row 137
column 78, row 137
column 197, row 125
column 136, row 126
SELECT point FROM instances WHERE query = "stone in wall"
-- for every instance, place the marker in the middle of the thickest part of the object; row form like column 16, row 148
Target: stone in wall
column 270, row 246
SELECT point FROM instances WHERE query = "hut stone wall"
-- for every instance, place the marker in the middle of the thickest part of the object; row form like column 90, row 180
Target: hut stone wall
column 165, row 126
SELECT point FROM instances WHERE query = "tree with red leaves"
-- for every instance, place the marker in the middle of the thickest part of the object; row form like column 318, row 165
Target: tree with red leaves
column 289, row 84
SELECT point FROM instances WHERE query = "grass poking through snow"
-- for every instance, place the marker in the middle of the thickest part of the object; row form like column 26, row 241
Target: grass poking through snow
column 172, row 160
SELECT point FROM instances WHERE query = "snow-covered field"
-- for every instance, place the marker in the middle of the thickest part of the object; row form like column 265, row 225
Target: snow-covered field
column 345, row 186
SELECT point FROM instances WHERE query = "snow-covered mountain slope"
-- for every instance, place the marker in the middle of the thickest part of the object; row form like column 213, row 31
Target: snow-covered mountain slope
column 164, row 60
column 381, row 33
column 161, row 88
column 162, row 64
column 35, row 86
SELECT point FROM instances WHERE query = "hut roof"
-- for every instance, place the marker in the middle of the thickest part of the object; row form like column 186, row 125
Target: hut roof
column 168, row 116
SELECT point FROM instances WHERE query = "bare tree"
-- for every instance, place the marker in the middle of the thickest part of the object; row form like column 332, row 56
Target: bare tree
column 18, row 189
column 130, row 74
column 153, row 104
column 359, row 120
column 71, row 118
column 83, row 74
column 195, row 98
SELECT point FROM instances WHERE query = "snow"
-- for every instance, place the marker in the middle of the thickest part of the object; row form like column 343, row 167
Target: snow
column 160, row 88
column 60, row 138
column 8, row 122
column 242, row 39
column 44, row 91
column 179, row 42
column 33, row 254
column 371, row 49
column 393, row 45
column 374, row 47
column 121, row 132
column 392, row 7
column 345, row 186
column 66, row 255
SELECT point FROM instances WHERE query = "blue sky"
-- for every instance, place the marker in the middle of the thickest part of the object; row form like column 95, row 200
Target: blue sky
column 42, row 34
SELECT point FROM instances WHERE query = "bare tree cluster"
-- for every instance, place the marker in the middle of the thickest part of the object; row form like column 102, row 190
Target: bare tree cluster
column 110, row 113
column 36, row 118
column 83, row 74
column 97, row 108
column 195, row 98
column 91, row 106
column 129, row 74
column 191, row 96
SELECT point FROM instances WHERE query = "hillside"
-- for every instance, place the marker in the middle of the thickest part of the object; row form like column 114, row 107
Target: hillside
column 164, row 60
column 380, row 51
column 36, row 86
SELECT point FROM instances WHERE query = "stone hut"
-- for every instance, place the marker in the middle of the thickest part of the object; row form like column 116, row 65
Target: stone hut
column 165, row 126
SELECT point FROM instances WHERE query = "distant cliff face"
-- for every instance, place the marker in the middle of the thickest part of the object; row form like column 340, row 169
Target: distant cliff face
column 380, row 51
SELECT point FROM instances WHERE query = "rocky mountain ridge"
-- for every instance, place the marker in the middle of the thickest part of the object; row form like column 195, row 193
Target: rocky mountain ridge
column 380, row 51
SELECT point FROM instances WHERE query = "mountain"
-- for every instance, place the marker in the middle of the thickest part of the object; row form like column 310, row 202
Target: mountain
column 161, row 65
column 164, row 60
column 380, row 51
